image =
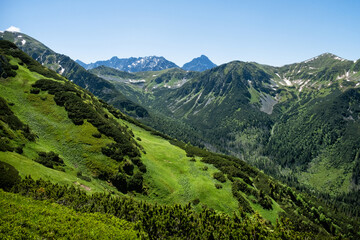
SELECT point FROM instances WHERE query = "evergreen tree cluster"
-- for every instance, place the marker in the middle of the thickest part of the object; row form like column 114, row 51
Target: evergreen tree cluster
column 162, row 221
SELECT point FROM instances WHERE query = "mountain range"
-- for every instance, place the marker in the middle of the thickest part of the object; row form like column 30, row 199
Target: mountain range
column 69, row 68
column 99, row 167
column 299, row 123
column 151, row 63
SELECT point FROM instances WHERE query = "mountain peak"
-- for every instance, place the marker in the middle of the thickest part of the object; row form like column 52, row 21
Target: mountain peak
column 324, row 56
column 13, row 29
column 199, row 64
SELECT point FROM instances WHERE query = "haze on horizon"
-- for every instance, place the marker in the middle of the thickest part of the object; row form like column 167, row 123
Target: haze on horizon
column 268, row 32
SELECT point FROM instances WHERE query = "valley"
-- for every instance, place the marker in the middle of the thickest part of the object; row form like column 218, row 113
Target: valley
column 156, row 141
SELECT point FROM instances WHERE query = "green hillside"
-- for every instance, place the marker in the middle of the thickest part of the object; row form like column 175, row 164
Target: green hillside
column 25, row 218
column 93, row 158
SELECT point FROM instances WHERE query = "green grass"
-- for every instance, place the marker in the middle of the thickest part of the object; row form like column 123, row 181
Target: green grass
column 173, row 178
column 255, row 95
column 24, row 218
column 324, row 177
column 271, row 214
column 55, row 131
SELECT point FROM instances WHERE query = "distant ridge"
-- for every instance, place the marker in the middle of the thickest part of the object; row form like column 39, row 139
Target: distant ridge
column 140, row 64
column 199, row 64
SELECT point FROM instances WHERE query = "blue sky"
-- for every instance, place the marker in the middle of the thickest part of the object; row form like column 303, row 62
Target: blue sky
column 273, row 32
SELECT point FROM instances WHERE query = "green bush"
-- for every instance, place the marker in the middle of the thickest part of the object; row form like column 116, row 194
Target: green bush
column 128, row 168
column 119, row 181
column 9, row 176
column 219, row 176
column 50, row 160
column 136, row 182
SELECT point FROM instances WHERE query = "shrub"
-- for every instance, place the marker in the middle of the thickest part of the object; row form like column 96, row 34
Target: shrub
column 218, row 186
column 85, row 178
column 192, row 160
column 195, row 201
column 9, row 176
column 205, row 168
column 35, row 91
column 220, row 177
column 96, row 135
column 49, row 159
column 128, row 168
column 136, row 182
column 143, row 169
column 119, row 181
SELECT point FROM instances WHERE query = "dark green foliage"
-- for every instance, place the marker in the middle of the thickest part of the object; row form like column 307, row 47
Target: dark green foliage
column 219, row 176
column 143, row 169
column 35, row 91
column 128, row 168
column 119, row 181
column 6, row 69
column 164, row 222
column 136, row 182
column 301, row 135
column 81, row 176
column 9, row 176
column 196, row 201
column 243, row 203
column 243, row 187
column 138, row 138
column 218, row 186
column 7, row 116
column 11, row 49
column 50, row 159
column 96, row 135
column 66, row 94
column 264, row 200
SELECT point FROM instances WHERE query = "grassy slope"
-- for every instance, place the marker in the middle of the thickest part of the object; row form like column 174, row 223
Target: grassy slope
column 56, row 133
column 171, row 177
column 24, row 218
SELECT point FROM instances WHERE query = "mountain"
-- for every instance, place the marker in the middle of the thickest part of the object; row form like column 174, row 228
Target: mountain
column 67, row 67
column 141, row 64
column 298, row 122
column 91, row 164
column 199, row 64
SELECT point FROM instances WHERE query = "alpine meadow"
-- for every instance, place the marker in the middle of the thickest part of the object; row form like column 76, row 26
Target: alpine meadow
column 141, row 148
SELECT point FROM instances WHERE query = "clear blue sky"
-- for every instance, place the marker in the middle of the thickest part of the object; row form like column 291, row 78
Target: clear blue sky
column 275, row 32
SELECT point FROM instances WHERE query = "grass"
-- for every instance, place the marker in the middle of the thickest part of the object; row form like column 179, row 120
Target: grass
column 24, row 218
column 255, row 95
column 271, row 215
column 55, row 131
column 323, row 177
column 173, row 178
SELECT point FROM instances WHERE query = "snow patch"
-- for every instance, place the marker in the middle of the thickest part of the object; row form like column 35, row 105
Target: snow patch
column 23, row 42
column 311, row 59
column 13, row 29
column 287, row 81
column 339, row 58
column 61, row 70
column 137, row 81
